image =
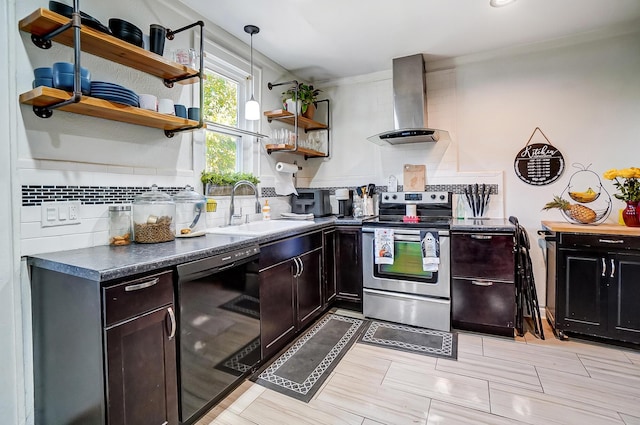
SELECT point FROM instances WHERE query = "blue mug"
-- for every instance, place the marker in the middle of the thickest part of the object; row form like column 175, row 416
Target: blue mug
column 194, row 114
column 181, row 111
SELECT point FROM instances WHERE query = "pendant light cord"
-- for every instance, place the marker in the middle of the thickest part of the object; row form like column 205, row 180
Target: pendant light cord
column 252, row 83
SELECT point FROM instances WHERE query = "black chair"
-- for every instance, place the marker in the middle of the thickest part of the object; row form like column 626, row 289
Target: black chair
column 526, row 294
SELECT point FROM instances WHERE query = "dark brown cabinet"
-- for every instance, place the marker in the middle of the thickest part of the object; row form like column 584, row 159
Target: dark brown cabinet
column 329, row 268
column 483, row 277
column 104, row 352
column 277, row 308
column 141, row 352
column 290, row 289
column 595, row 286
column 348, row 264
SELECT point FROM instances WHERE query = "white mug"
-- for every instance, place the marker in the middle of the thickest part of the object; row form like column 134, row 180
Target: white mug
column 165, row 106
column 148, row 101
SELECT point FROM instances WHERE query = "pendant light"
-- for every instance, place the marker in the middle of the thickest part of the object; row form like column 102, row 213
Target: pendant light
column 252, row 107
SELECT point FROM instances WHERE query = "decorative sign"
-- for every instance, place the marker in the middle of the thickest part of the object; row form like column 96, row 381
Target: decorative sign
column 538, row 164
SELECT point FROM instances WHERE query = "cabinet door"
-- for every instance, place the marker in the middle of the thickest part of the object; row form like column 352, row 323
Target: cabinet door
column 581, row 297
column 624, row 297
column 348, row 262
column 309, row 287
column 483, row 255
column 328, row 266
column 141, row 370
column 483, row 305
column 277, row 308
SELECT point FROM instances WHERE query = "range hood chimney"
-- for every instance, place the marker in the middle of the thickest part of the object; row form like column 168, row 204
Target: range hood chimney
column 409, row 105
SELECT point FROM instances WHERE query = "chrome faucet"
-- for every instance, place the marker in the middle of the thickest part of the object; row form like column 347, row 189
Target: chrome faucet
column 233, row 194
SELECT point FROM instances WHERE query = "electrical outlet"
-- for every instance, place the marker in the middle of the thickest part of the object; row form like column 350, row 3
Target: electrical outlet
column 60, row 213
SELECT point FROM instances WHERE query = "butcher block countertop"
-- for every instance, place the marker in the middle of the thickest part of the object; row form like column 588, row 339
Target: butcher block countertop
column 600, row 229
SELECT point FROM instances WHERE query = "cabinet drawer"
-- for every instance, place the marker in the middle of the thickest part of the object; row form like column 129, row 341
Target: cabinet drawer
column 134, row 297
column 608, row 242
column 482, row 302
column 483, row 255
column 287, row 249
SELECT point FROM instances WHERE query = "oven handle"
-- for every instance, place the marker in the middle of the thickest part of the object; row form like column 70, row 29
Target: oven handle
column 407, row 238
column 403, row 296
column 443, row 233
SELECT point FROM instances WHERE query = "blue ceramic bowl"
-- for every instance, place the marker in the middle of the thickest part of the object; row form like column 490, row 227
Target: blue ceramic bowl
column 43, row 73
column 64, row 81
column 47, row 82
column 68, row 68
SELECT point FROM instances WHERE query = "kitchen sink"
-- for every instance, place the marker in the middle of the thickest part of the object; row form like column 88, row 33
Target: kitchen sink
column 260, row 228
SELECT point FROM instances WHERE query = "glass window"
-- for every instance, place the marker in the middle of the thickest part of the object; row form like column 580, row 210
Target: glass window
column 221, row 99
column 229, row 143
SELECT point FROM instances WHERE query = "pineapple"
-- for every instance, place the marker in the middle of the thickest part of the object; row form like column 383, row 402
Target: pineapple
column 579, row 213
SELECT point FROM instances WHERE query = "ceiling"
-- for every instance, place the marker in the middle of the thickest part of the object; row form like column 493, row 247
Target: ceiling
column 320, row 40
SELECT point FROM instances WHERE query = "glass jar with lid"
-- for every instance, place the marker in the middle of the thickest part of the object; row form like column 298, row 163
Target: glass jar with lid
column 119, row 225
column 153, row 217
column 190, row 211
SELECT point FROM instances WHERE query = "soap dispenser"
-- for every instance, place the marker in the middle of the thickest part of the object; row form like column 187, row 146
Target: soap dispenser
column 266, row 210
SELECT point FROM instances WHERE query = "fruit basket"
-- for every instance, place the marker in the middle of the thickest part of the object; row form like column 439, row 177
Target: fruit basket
column 584, row 200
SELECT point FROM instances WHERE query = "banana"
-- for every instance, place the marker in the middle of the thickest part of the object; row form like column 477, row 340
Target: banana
column 587, row 196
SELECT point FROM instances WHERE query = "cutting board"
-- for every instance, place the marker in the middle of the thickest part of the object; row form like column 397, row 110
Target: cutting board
column 414, row 178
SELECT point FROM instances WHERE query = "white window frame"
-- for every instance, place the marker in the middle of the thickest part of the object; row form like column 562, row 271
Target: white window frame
column 234, row 67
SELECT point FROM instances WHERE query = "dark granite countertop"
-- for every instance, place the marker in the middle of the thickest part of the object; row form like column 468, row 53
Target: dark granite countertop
column 103, row 263
column 482, row 225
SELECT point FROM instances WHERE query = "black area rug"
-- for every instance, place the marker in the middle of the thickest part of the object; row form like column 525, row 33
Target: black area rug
column 302, row 369
column 244, row 304
column 411, row 339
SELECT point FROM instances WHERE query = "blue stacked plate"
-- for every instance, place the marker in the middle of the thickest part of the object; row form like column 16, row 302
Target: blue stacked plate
column 114, row 93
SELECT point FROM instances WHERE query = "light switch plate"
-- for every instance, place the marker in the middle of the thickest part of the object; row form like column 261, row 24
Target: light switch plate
column 60, row 213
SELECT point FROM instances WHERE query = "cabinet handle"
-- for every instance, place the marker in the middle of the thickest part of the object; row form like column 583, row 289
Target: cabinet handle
column 297, row 273
column 482, row 282
column 604, row 267
column 613, row 268
column 611, row 240
column 142, row 285
column 301, row 266
column 482, row 237
column 172, row 317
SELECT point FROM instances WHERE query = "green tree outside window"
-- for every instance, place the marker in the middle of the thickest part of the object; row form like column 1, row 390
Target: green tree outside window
column 220, row 106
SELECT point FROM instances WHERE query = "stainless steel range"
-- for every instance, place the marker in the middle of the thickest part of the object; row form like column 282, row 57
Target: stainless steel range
column 408, row 280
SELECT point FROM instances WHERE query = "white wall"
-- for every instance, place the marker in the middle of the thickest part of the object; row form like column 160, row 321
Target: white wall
column 12, row 388
column 583, row 94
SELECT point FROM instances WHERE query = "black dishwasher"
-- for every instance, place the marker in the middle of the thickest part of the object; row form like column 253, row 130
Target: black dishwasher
column 219, row 323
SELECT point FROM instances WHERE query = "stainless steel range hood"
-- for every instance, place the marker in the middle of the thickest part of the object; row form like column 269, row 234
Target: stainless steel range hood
column 409, row 105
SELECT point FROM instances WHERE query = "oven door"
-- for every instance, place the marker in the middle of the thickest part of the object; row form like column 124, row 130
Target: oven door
column 406, row 274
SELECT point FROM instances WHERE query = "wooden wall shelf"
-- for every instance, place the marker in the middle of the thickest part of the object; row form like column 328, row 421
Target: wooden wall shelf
column 44, row 21
column 289, row 118
column 46, row 96
column 308, row 153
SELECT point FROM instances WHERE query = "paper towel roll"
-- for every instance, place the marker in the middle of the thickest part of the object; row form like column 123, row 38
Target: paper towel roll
column 284, row 178
column 284, row 167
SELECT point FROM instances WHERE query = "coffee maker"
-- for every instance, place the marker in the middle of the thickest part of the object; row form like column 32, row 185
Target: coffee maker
column 345, row 202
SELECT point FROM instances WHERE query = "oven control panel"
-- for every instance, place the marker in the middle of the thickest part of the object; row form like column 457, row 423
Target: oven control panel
column 414, row 197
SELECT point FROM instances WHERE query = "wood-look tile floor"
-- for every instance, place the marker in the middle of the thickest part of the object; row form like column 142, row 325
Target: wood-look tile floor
column 494, row 381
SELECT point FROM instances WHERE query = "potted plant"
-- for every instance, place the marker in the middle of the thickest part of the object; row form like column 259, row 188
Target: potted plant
column 220, row 184
column 306, row 96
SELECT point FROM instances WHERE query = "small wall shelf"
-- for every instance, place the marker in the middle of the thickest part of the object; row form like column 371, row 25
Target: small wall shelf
column 46, row 96
column 289, row 118
column 308, row 153
column 44, row 21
